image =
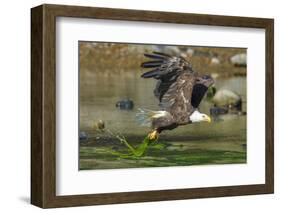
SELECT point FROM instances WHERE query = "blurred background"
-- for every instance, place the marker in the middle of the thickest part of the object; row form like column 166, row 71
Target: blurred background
column 111, row 91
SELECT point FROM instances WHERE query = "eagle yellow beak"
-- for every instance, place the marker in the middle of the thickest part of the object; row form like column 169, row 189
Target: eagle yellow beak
column 208, row 119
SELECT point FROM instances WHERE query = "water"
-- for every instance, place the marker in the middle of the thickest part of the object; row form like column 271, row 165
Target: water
column 219, row 142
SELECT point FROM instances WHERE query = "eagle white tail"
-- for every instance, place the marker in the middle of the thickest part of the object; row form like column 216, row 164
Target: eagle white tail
column 144, row 117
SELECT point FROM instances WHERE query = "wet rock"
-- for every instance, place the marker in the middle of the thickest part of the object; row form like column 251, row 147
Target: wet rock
column 241, row 113
column 227, row 98
column 125, row 104
column 216, row 111
column 83, row 136
column 239, row 60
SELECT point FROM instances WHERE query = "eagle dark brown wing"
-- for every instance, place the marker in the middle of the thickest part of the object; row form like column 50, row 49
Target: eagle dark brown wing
column 165, row 67
column 177, row 99
column 200, row 88
column 179, row 88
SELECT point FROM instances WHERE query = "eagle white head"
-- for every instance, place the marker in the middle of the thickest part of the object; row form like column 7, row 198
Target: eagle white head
column 197, row 116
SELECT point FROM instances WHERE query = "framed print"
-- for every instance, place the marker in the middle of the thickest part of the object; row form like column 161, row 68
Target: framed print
column 137, row 106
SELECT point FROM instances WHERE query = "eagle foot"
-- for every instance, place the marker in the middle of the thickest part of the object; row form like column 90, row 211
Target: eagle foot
column 153, row 135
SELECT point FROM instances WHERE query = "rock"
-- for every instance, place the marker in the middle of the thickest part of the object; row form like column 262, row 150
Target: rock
column 125, row 104
column 227, row 98
column 239, row 60
column 99, row 125
column 83, row 136
column 215, row 111
column 190, row 52
column 215, row 75
column 241, row 113
column 170, row 50
column 215, row 61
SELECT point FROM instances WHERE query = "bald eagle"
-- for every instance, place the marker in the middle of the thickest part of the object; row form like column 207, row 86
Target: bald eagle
column 179, row 89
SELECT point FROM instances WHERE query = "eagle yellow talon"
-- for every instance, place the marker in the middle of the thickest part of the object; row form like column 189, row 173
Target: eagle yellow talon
column 153, row 135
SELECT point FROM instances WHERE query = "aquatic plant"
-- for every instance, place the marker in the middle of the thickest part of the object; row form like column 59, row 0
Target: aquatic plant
column 133, row 151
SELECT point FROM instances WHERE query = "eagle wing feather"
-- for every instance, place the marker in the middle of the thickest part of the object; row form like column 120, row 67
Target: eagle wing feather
column 179, row 88
column 177, row 99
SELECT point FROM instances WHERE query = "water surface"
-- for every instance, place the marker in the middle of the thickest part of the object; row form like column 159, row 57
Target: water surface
column 220, row 142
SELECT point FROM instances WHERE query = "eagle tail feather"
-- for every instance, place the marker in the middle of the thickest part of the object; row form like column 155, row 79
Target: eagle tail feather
column 145, row 117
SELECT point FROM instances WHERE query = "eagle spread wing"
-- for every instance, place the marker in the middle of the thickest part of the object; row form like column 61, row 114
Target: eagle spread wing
column 177, row 99
column 179, row 88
